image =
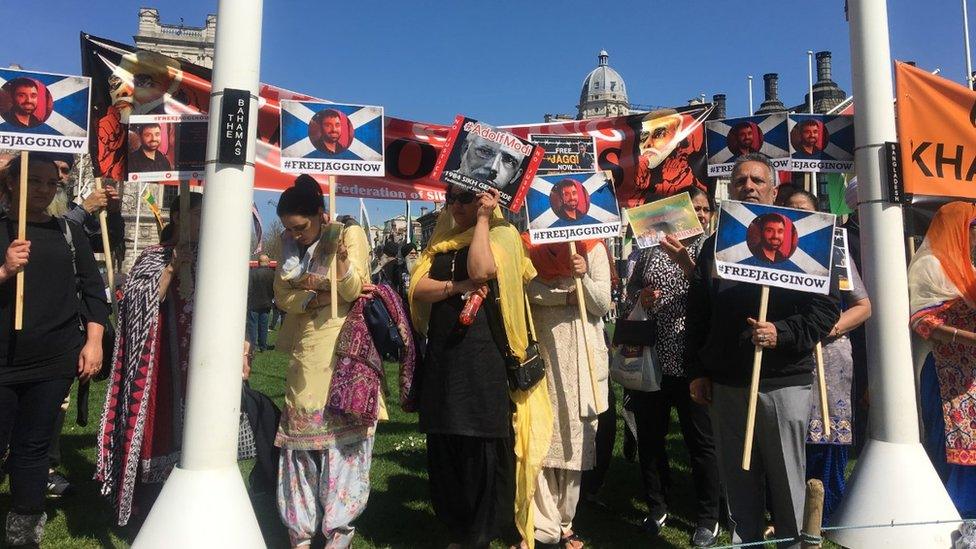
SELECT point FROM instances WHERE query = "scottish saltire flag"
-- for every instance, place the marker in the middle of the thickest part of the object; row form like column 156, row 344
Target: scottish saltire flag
column 774, row 246
column 821, row 143
column 41, row 111
column 728, row 139
column 332, row 139
column 571, row 207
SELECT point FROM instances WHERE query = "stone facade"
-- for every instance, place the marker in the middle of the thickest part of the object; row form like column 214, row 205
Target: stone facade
column 604, row 92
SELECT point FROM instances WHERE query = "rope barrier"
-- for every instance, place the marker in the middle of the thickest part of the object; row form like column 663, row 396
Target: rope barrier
column 812, row 539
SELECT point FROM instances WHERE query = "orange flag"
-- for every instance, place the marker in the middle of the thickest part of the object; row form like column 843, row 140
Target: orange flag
column 937, row 132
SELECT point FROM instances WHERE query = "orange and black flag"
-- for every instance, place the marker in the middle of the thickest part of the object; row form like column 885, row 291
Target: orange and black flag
column 937, row 132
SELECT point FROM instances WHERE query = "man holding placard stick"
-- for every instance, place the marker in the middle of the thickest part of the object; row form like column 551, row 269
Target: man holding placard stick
column 727, row 339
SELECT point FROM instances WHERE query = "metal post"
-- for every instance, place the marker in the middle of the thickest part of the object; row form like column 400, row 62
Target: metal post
column 965, row 30
column 893, row 445
column 810, row 77
column 751, row 112
column 409, row 238
column 204, row 503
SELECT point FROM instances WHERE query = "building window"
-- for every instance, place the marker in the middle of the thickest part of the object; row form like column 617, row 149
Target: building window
column 170, row 192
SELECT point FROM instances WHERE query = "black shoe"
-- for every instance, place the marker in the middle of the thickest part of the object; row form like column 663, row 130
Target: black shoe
column 654, row 525
column 704, row 536
column 57, row 485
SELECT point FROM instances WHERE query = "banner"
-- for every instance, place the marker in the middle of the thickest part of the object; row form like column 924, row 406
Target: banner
column 128, row 81
column 41, row 111
column 821, row 143
column 728, row 139
column 937, row 131
column 674, row 215
column 571, row 207
column 774, row 246
column 331, row 139
column 566, row 153
column 651, row 155
column 478, row 157
column 167, row 147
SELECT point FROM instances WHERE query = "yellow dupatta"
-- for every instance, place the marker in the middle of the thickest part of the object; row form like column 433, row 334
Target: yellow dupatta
column 532, row 420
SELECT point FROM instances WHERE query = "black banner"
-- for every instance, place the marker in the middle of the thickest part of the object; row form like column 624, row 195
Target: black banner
column 234, row 114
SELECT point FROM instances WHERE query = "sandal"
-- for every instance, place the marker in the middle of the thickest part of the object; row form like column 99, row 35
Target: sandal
column 570, row 542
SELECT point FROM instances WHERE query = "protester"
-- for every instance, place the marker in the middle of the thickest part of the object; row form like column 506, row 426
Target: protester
column 323, row 480
column 722, row 333
column 827, row 456
column 942, row 287
column 63, row 293
column 386, row 260
column 142, row 421
column 260, row 297
column 660, row 285
column 477, row 489
column 561, row 334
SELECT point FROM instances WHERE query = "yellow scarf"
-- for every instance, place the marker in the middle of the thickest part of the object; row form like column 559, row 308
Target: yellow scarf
column 532, row 420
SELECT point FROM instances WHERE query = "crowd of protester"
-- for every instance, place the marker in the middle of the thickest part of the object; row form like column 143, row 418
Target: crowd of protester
column 511, row 385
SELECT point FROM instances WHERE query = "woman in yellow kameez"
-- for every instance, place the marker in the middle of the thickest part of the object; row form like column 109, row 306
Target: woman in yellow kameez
column 325, row 459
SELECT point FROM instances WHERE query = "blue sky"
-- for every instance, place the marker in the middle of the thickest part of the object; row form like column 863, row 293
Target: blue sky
column 507, row 61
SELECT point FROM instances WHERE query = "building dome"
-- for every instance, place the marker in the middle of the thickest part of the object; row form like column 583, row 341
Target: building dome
column 604, row 92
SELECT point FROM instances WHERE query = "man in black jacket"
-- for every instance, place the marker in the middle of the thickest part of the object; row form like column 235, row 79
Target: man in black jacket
column 722, row 335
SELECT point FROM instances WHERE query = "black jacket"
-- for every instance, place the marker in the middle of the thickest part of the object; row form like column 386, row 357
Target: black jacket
column 719, row 339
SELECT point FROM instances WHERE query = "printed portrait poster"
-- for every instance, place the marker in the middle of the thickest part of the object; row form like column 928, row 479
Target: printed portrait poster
column 331, row 138
column 842, row 260
column 774, row 246
column 478, row 157
column 167, row 147
column 41, row 111
column 566, row 153
column 821, row 143
column 571, row 207
column 731, row 138
column 674, row 215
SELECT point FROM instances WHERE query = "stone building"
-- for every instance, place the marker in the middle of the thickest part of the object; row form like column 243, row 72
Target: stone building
column 604, row 92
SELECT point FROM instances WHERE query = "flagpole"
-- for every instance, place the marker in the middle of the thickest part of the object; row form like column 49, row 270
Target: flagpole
column 204, row 502
column 408, row 238
column 810, row 77
column 880, row 491
column 751, row 112
column 969, row 60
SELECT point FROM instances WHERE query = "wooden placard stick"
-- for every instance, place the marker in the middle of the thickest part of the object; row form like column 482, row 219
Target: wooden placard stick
column 21, row 235
column 586, row 341
column 754, row 387
column 333, row 268
column 822, row 382
column 107, row 250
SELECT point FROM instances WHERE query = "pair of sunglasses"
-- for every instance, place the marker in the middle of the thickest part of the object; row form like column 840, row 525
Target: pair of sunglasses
column 461, row 198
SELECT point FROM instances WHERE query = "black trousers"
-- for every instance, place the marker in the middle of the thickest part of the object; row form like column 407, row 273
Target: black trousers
column 652, row 414
column 472, row 487
column 606, row 435
column 28, row 415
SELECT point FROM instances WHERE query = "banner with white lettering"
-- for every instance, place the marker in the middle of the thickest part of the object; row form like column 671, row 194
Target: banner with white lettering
column 330, row 138
column 41, row 111
column 731, row 138
column 566, row 153
column 821, row 143
column 478, row 157
column 167, row 147
column 571, row 207
column 774, row 246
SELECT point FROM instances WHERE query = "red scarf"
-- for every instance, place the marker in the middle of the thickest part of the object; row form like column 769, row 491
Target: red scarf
column 554, row 260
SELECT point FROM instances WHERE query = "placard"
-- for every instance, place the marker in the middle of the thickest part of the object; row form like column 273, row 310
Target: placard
column 821, row 143
column 674, row 215
column 572, row 207
column 331, row 138
column 729, row 139
column 167, row 147
column 42, row 111
column 566, row 153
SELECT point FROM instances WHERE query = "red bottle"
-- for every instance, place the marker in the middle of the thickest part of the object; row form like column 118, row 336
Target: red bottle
column 470, row 310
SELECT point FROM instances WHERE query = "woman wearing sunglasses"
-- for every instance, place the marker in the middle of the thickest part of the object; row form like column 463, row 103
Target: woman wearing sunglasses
column 464, row 402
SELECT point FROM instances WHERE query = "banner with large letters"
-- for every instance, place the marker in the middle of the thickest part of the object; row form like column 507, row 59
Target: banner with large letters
column 937, row 132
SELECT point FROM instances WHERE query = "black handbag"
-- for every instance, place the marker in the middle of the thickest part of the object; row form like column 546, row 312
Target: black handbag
column 386, row 336
column 522, row 374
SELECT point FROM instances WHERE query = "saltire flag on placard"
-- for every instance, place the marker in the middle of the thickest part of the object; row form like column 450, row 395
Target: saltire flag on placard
column 41, row 111
column 730, row 138
column 937, row 134
column 775, row 246
column 572, row 207
column 821, row 143
column 331, row 138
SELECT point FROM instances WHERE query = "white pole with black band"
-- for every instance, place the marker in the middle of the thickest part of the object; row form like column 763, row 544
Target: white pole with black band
column 204, row 503
column 894, row 481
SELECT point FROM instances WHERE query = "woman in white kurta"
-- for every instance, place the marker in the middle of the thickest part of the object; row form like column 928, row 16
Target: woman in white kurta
column 561, row 340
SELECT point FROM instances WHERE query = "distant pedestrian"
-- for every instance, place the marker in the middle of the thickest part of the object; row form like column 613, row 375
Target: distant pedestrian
column 260, row 297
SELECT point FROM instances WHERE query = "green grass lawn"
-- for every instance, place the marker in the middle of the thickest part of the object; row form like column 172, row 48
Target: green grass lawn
column 399, row 513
